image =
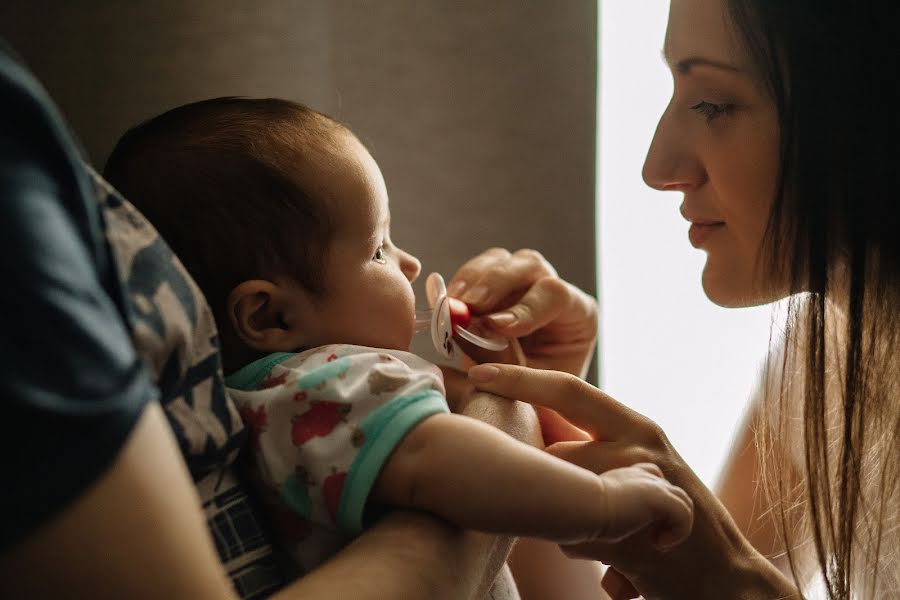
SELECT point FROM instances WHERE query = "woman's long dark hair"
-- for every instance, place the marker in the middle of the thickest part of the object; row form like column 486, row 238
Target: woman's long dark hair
column 832, row 69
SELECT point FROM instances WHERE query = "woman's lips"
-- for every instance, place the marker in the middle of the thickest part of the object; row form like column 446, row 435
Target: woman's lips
column 699, row 232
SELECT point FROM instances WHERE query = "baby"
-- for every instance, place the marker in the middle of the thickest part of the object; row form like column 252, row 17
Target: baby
column 281, row 215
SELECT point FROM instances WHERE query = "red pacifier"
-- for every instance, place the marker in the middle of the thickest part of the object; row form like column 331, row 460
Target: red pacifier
column 448, row 316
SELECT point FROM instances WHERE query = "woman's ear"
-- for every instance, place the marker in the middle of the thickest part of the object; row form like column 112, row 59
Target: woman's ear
column 257, row 309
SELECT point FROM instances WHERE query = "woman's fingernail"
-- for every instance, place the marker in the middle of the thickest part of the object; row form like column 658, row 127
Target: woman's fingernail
column 503, row 319
column 456, row 288
column 475, row 295
column 483, row 373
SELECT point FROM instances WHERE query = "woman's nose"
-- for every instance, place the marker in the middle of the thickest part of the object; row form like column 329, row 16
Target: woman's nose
column 671, row 164
column 410, row 265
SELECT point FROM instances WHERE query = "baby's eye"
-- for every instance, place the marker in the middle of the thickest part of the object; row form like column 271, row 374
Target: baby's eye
column 379, row 255
column 712, row 111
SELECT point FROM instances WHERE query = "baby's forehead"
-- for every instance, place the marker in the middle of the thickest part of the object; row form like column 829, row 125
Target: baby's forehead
column 354, row 210
column 345, row 179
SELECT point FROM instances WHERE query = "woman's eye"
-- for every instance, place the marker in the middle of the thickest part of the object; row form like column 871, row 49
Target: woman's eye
column 711, row 111
column 379, row 255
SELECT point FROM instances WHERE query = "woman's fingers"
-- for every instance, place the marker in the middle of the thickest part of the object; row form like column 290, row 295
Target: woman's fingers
column 496, row 274
column 579, row 402
column 521, row 290
column 550, row 300
column 519, row 295
column 471, row 272
column 543, row 303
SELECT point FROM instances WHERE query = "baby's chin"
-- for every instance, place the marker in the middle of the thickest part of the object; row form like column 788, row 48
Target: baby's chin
column 400, row 342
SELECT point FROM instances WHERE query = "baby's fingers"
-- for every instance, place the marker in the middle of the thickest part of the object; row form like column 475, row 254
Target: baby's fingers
column 650, row 468
column 677, row 527
column 639, row 498
column 674, row 508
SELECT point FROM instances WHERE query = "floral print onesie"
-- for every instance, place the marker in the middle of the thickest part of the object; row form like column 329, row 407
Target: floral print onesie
column 322, row 424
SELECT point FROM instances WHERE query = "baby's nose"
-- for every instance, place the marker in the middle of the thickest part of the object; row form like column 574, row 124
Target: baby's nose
column 411, row 266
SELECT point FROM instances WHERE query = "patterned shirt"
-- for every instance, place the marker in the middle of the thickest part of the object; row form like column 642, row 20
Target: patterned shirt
column 174, row 332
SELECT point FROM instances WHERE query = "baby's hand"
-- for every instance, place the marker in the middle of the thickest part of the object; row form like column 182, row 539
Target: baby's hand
column 637, row 498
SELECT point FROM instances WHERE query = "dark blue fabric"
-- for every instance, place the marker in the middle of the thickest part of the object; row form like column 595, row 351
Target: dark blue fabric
column 71, row 383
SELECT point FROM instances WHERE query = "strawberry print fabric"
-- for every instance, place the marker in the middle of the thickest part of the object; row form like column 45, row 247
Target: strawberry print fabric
column 322, row 423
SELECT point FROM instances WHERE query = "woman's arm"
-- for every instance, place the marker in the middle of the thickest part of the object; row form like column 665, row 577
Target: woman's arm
column 755, row 512
column 715, row 561
column 739, row 490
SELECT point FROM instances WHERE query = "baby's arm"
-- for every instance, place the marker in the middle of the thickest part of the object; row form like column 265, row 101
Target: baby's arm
column 481, row 478
column 539, row 567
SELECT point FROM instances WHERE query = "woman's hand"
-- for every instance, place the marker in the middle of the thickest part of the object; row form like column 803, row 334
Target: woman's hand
column 516, row 419
column 715, row 561
column 519, row 295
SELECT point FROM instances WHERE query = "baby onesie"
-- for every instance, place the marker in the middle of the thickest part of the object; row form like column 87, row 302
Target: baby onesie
column 322, row 424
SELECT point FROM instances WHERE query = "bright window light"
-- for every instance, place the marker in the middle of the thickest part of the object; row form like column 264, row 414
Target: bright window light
column 665, row 349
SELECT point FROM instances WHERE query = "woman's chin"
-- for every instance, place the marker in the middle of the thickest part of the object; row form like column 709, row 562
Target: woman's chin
column 728, row 291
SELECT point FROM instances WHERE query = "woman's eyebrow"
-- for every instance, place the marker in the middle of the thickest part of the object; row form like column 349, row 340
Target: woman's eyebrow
column 685, row 65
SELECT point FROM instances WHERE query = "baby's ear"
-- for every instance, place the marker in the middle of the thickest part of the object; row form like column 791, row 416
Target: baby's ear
column 257, row 310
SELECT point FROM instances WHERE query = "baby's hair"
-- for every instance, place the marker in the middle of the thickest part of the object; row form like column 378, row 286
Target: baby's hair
column 225, row 181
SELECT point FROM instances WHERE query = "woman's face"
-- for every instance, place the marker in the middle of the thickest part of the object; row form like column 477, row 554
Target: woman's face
column 717, row 142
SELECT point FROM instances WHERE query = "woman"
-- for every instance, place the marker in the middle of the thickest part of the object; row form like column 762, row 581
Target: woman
column 784, row 166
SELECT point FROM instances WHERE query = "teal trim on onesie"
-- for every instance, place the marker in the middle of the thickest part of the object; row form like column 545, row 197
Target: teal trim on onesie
column 383, row 429
column 323, row 373
column 248, row 378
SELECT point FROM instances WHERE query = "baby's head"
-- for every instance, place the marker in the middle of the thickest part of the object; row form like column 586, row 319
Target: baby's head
column 281, row 215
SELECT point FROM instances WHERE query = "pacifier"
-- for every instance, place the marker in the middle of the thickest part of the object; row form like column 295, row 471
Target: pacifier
column 448, row 316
